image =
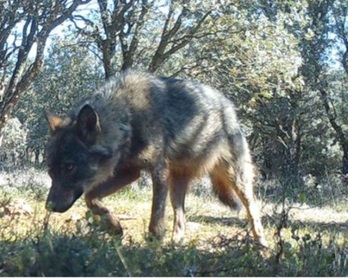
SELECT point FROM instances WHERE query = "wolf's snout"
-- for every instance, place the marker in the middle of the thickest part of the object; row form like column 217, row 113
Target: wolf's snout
column 60, row 199
column 54, row 207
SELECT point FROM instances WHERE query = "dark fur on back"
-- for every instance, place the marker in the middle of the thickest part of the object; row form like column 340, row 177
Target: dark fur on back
column 175, row 129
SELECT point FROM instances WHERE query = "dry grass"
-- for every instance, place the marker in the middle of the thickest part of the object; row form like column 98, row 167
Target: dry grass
column 217, row 241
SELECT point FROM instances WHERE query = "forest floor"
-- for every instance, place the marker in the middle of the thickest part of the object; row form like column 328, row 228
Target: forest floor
column 303, row 240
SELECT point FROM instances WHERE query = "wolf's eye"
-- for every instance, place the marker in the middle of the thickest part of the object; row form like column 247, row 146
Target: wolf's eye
column 69, row 166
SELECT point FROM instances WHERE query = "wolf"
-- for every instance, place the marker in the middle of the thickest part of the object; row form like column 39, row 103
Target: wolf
column 177, row 130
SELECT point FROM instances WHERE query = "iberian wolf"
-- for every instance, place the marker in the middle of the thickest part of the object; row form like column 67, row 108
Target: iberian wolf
column 177, row 130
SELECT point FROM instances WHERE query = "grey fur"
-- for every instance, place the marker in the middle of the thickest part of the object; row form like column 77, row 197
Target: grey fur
column 177, row 130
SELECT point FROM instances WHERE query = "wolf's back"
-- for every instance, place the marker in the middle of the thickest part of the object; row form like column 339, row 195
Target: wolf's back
column 185, row 118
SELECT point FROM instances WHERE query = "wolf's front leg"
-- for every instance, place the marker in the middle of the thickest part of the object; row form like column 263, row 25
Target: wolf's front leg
column 109, row 220
column 178, row 187
column 160, row 184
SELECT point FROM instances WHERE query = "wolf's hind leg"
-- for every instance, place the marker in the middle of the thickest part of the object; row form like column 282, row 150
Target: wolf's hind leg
column 232, row 183
column 121, row 178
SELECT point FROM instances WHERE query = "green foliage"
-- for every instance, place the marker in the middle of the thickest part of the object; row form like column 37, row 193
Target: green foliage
column 13, row 143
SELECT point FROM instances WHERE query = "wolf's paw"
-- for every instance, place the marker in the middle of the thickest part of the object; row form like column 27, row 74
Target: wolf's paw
column 156, row 232
column 111, row 223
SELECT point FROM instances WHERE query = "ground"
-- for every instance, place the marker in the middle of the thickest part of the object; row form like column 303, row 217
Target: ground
column 217, row 241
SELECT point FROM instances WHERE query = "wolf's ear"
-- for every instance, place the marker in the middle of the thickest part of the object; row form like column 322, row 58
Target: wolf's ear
column 88, row 125
column 53, row 120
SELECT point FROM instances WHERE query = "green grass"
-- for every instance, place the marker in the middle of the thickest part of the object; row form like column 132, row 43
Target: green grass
column 303, row 242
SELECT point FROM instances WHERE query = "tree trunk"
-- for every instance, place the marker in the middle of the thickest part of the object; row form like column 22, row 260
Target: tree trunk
column 39, row 19
column 340, row 134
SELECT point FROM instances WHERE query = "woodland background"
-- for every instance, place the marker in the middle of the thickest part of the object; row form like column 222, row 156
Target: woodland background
column 283, row 63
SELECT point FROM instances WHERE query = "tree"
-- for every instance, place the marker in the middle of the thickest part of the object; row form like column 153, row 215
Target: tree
column 24, row 30
column 255, row 60
column 142, row 33
column 14, row 144
column 326, row 21
column 338, row 10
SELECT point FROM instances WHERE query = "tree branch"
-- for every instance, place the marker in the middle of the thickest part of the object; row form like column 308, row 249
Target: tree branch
column 161, row 54
column 22, row 76
column 332, row 118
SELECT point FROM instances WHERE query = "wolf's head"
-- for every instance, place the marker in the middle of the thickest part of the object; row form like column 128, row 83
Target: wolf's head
column 75, row 156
